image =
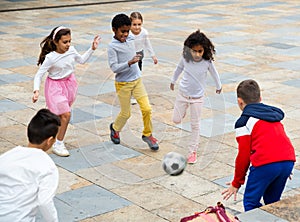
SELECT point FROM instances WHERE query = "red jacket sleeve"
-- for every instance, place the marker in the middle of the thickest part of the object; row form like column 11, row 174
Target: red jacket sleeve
column 242, row 160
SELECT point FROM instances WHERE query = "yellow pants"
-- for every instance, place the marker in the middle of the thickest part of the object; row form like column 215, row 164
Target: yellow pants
column 136, row 89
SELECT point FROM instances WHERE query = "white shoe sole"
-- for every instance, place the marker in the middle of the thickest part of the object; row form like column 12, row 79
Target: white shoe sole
column 61, row 154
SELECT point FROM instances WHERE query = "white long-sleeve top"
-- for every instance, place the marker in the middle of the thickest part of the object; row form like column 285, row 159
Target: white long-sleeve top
column 142, row 42
column 60, row 66
column 119, row 53
column 193, row 82
column 28, row 181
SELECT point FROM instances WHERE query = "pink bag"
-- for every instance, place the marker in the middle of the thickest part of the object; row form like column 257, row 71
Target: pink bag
column 212, row 214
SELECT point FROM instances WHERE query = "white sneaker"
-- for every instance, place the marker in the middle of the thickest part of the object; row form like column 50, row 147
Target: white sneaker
column 60, row 149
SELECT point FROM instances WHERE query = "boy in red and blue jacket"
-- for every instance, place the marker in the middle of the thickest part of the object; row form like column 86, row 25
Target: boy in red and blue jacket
column 263, row 143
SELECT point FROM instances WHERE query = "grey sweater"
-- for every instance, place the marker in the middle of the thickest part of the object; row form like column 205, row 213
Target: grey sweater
column 119, row 53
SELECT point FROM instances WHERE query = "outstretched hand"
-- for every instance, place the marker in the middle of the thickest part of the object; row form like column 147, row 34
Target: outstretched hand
column 96, row 42
column 231, row 190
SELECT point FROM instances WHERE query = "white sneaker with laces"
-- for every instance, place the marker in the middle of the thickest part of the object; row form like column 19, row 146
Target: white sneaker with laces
column 60, row 149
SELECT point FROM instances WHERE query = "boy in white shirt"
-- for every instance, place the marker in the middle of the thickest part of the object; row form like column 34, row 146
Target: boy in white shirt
column 29, row 177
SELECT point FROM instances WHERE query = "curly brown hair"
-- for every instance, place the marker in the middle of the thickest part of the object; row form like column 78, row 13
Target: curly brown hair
column 198, row 38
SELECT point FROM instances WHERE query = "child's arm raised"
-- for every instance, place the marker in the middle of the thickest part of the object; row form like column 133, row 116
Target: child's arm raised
column 96, row 42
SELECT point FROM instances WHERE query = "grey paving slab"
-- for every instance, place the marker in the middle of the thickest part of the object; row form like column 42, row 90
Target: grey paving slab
column 94, row 155
column 259, row 215
column 261, row 12
column 264, row 4
column 222, row 182
column 220, row 102
column 294, row 83
column 87, row 202
column 211, row 127
column 229, row 39
column 79, row 116
column 293, row 65
column 12, row 78
column 32, row 35
column 8, row 23
column 8, row 105
column 101, row 110
column 2, row 82
column 285, row 29
column 97, row 89
column 225, row 28
column 237, row 62
column 228, row 49
column 228, row 77
column 18, row 62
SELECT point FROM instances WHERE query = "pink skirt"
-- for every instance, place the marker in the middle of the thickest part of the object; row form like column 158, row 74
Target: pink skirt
column 60, row 94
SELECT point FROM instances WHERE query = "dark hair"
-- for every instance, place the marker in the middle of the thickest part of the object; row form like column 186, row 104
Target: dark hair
column 198, row 38
column 42, row 126
column 47, row 45
column 249, row 91
column 136, row 15
column 120, row 20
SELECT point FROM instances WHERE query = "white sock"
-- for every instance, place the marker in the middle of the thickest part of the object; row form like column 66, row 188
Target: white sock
column 59, row 142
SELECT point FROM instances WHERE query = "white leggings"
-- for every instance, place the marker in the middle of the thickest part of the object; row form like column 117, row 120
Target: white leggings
column 180, row 107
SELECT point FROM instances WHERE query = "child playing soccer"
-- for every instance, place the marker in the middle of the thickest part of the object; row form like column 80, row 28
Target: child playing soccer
column 122, row 59
column 58, row 58
column 29, row 177
column 196, row 61
column 263, row 143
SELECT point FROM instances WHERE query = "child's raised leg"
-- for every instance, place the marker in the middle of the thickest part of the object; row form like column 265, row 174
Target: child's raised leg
column 180, row 107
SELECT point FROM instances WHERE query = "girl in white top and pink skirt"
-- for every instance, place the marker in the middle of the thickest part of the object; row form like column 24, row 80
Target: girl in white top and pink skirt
column 58, row 58
column 196, row 61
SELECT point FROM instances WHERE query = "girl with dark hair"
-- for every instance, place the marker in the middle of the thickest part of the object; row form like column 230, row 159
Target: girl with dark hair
column 58, row 58
column 197, row 60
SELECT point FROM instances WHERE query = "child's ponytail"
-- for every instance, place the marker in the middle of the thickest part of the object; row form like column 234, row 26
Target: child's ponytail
column 47, row 46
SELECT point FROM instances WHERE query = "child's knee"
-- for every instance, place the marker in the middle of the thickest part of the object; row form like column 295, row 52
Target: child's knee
column 176, row 120
column 65, row 116
column 125, row 115
column 146, row 110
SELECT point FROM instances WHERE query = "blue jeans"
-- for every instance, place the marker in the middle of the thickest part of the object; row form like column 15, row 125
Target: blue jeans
column 267, row 181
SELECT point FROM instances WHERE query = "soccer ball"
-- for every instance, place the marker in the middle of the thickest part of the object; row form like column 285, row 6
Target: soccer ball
column 174, row 163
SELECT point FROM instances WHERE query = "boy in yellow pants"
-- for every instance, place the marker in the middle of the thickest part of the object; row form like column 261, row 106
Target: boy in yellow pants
column 123, row 61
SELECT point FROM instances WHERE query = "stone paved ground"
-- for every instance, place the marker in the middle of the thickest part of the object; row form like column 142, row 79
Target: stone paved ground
column 105, row 182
